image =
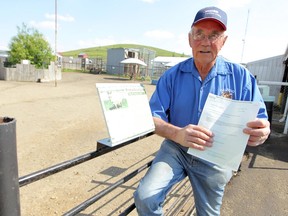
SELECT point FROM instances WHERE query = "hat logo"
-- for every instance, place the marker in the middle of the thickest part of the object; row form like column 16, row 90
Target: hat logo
column 213, row 12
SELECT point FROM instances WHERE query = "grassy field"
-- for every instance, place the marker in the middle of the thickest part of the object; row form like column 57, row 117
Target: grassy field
column 101, row 51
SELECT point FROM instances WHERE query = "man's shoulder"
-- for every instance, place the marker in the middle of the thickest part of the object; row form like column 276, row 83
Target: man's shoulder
column 184, row 66
column 228, row 65
column 225, row 61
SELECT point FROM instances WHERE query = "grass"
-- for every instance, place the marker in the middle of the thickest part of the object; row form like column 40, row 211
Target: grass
column 70, row 70
column 101, row 51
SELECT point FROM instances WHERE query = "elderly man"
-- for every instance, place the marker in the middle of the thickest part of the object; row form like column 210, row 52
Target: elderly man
column 176, row 107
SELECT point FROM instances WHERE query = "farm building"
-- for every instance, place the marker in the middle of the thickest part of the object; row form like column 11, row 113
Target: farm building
column 82, row 55
column 165, row 61
column 162, row 63
column 116, row 55
column 273, row 69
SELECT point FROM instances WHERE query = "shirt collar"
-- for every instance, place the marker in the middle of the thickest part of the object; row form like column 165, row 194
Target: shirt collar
column 220, row 67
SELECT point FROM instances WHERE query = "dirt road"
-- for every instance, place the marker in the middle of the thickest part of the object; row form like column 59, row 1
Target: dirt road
column 55, row 124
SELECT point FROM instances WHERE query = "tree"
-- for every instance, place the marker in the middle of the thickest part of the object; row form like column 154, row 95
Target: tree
column 29, row 44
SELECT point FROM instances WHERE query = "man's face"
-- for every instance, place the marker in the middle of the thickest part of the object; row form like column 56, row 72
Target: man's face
column 206, row 41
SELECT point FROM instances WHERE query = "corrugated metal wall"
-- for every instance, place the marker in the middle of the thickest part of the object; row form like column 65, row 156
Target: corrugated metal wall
column 270, row 69
column 114, row 56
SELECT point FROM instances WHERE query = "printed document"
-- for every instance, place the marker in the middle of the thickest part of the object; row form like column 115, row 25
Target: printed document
column 226, row 118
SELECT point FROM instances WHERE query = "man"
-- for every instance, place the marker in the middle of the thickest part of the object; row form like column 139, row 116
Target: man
column 176, row 107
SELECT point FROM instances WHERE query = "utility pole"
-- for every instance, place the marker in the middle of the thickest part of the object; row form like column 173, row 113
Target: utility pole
column 244, row 39
column 56, row 58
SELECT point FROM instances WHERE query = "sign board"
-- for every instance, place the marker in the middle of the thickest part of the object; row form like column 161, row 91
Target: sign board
column 126, row 110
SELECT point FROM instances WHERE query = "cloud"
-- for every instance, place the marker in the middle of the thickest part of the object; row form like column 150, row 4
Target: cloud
column 227, row 4
column 159, row 34
column 65, row 18
column 182, row 44
column 178, row 44
column 49, row 23
column 96, row 42
column 43, row 24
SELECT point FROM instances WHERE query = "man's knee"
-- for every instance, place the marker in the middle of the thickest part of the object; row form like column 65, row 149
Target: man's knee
column 146, row 204
column 142, row 198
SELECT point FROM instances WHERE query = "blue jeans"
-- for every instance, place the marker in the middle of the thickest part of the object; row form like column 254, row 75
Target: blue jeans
column 172, row 164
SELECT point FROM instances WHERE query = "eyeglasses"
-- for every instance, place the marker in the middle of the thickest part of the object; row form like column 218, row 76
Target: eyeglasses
column 199, row 36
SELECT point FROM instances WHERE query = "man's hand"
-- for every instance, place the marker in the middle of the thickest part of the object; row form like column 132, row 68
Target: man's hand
column 194, row 136
column 191, row 136
column 258, row 130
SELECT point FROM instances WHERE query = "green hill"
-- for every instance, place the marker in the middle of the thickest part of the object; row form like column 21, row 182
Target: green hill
column 101, row 51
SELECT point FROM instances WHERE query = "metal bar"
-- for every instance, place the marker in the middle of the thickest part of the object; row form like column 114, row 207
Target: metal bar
column 184, row 202
column 273, row 83
column 93, row 199
column 35, row 176
column 128, row 210
column 9, row 185
column 178, row 200
column 178, row 187
column 191, row 210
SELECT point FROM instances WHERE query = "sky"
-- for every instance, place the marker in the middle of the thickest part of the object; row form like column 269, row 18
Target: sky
column 257, row 29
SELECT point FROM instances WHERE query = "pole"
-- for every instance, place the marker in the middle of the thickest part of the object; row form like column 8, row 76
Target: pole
column 244, row 39
column 56, row 58
column 9, row 183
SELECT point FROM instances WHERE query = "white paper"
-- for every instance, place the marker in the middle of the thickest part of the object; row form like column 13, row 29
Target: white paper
column 126, row 111
column 226, row 118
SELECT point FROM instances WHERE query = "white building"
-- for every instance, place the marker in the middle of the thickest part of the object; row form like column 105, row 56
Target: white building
column 270, row 69
column 165, row 61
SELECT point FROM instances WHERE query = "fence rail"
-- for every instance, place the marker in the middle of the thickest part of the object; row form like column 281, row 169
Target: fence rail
column 179, row 196
column 179, row 200
column 93, row 199
column 101, row 150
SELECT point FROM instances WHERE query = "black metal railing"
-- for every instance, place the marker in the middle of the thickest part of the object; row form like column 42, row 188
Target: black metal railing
column 101, row 149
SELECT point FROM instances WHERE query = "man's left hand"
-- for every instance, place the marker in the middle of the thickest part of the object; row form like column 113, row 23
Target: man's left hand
column 258, row 131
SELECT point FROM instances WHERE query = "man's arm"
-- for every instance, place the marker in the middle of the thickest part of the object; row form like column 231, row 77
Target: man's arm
column 192, row 136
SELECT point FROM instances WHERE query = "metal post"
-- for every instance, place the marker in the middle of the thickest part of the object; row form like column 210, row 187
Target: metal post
column 56, row 57
column 9, row 184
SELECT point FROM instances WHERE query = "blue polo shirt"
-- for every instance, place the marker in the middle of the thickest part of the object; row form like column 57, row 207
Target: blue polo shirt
column 180, row 93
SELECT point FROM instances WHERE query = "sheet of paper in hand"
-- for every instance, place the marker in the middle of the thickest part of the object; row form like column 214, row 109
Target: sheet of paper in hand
column 126, row 111
column 226, row 118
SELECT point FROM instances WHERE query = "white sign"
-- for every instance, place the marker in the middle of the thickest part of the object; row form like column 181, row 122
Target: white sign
column 126, row 110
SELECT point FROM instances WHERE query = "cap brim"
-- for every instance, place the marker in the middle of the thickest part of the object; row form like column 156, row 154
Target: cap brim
column 213, row 19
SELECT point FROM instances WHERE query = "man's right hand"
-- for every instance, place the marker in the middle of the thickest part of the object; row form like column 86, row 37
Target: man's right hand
column 191, row 136
column 194, row 136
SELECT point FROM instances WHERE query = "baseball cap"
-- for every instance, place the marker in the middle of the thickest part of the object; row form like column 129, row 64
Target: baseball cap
column 211, row 13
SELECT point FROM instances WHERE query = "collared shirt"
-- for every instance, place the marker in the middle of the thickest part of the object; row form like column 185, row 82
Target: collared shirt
column 180, row 93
